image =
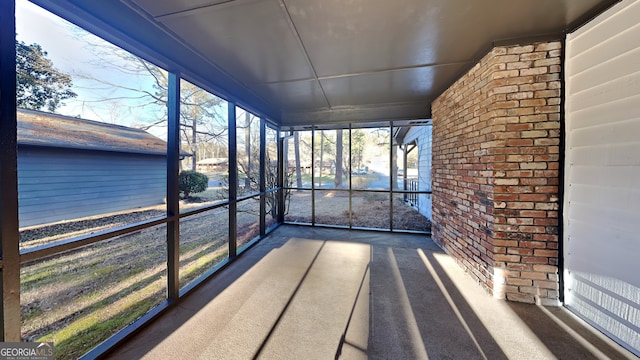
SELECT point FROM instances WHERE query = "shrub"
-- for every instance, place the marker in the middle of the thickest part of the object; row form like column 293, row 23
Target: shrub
column 192, row 182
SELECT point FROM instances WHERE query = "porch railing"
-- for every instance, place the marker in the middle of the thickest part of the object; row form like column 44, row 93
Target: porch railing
column 411, row 198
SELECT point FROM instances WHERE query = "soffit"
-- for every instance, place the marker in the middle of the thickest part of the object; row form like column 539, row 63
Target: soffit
column 309, row 61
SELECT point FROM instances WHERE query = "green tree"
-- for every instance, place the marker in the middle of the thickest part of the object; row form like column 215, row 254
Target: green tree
column 358, row 140
column 191, row 182
column 38, row 83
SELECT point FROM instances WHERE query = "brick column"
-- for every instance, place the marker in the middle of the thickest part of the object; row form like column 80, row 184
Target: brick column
column 496, row 137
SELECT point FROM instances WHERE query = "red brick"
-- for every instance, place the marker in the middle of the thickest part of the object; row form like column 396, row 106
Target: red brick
column 534, row 86
column 532, row 290
column 547, row 222
column 519, row 282
column 534, row 181
column 524, row 49
column 533, row 150
column 520, row 297
column 545, row 237
column 534, row 134
column 534, row 165
column 548, row 46
column 505, row 197
column 546, row 62
column 505, row 74
column 496, row 146
column 505, row 243
column 547, row 189
column 533, row 274
column 507, row 258
column 519, row 221
column 519, row 251
column 522, row 174
column 535, row 260
column 534, row 197
column 519, row 142
column 519, row 267
column 533, row 56
column 519, row 158
column 534, row 71
column 545, row 268
column 519, row 65
column 547, row 253
column 532, row 229
column 545, row 284
column 533, row 102
column 519, row 127
column 521, row 205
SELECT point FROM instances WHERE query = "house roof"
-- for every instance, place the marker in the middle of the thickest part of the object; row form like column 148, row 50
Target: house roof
column 38, row 128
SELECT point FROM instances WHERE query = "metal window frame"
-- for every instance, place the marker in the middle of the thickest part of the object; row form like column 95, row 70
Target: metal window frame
column 10, row 255
column 10, row 313
column 391, row 191
column 173, row 188
column 233, row 178
column 262, row 175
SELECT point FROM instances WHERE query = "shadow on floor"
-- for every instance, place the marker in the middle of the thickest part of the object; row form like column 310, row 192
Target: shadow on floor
column 566, row 336
column 311, row 293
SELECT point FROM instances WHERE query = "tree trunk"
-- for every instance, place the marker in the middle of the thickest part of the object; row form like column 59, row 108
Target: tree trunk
column 321, row 154
column 296, row 145
column 338, row 179
column 194, row 144
column 394, row 167
column 247, row 140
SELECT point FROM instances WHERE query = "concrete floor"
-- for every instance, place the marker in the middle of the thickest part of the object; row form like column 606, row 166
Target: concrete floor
column 313, row 293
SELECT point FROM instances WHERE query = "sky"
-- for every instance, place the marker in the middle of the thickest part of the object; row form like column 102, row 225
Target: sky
column 78, row 53
column 69, row 50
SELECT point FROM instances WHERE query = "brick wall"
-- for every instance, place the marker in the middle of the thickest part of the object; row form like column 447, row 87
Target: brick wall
column 496, row 137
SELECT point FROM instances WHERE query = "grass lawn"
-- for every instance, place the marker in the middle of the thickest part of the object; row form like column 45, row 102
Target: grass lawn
column 80, row 298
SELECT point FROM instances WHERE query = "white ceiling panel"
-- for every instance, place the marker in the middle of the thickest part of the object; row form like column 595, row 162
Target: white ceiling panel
column 250, row 39
column 295, row 95
column 407, row 85
column 366, row 35
column 320, row 61
column 166, row 7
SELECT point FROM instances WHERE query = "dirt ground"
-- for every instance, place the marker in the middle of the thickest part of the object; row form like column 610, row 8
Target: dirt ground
column 369, row 210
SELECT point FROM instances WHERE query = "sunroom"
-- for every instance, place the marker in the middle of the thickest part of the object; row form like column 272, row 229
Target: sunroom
column 364, row 144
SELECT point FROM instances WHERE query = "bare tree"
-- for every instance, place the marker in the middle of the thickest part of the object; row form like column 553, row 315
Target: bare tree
column 202, row 119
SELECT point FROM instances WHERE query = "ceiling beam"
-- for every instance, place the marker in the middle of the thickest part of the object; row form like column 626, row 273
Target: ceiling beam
column 360, row 114
column 296, row 34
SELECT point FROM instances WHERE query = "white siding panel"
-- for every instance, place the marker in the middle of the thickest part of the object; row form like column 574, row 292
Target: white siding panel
column 623, row 132
column 602, row 174
column 605, row 177
column 618, row 110
column 616, row 154
column 424, row 172
column 621, row 18
column 606, row 92
column 593, row 195
column 616, row 45
column 607, row 71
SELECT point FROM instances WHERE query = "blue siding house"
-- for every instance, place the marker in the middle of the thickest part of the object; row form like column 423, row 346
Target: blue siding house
column 70, row 168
